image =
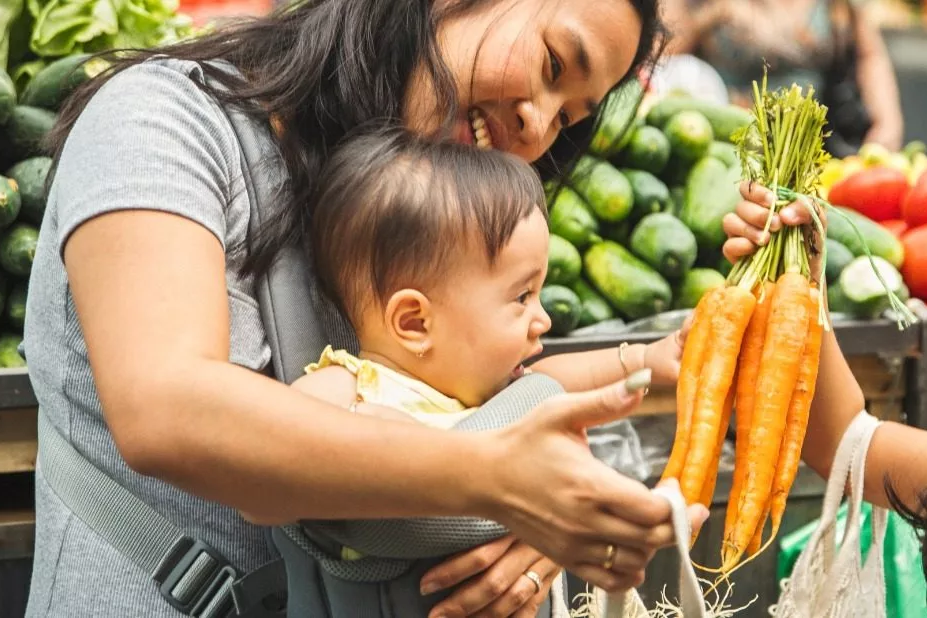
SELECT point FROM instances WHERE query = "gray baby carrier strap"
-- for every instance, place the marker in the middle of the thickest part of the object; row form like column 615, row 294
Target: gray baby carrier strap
column 299, row 322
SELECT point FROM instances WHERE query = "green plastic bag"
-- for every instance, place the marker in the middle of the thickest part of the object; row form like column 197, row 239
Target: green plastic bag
column 905, row 587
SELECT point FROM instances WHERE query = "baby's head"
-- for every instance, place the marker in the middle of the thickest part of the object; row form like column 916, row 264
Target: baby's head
column 436, row 253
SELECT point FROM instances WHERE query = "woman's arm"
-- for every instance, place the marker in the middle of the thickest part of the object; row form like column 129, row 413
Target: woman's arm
column 157, row 332
column 878, row 86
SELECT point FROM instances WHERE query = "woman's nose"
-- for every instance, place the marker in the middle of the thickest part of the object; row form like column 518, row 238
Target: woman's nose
column 536, row 122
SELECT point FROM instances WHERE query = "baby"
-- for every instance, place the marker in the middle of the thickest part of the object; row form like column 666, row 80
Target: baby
column 436, row 253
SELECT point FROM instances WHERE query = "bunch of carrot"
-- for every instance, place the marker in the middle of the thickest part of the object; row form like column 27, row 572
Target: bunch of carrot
column 755, row 343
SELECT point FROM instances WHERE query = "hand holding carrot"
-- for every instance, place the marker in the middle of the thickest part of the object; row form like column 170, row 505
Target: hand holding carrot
column 744, row 227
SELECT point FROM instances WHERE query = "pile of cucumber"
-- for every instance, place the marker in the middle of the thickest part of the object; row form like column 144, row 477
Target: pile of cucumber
column 25, row 119
column 637, row 228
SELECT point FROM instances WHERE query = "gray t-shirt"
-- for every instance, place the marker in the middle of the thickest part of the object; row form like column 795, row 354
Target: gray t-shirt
column 150, row 139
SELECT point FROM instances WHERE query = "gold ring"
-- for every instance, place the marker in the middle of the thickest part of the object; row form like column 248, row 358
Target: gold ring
column 535, row 578
column 609, row 558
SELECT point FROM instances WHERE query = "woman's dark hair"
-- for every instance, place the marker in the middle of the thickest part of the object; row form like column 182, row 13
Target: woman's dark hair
column 325, row 68
column 396, row 211
column 915, row 515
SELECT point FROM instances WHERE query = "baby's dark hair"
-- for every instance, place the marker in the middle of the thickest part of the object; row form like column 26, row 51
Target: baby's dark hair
column 395, row 211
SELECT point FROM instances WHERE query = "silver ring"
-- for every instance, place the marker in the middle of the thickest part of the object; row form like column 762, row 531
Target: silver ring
column 534, row 577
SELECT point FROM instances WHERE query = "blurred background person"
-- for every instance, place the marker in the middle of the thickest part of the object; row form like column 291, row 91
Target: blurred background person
column 828, row 44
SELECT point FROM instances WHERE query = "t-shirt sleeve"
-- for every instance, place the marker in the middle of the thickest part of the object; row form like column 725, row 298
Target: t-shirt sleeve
column 150, row 139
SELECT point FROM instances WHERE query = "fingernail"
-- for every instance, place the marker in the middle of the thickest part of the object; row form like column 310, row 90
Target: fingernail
column 764, row 238
column 671, row 483
column 770, row 199
column 776, row 223
column 639, row 380
column 428, row 588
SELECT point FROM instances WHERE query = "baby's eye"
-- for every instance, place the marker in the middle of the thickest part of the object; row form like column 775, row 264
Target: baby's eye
column 524, row 297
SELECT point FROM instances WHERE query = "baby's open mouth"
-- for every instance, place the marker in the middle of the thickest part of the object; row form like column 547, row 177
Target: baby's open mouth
column 481, row 135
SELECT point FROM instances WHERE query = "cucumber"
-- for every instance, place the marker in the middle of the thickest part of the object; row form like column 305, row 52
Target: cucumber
column 604, row 188
column 696, row 283
column 689, row 134
column 865, row 294
column 711, row 193
column 9, row 351
column 17, row 249
column 618, row 232
column 617, row 119
column 570, row 218
column 564, row 263
column 30, row 175
column 15, row 311
column 25, row 130
column 665, row 243
column 595, row 309
column 648, row 150
column 7, row 97
column 10, row 201
column 725, row 120
column 836, row 300
column 54, row 83
column 626, row 282
column 564, row 308
column 724, row 152
column 880, row 240
column 650, row 193
column 838, row 256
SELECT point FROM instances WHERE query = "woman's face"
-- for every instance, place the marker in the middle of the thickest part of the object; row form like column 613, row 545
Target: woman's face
column 525, row 69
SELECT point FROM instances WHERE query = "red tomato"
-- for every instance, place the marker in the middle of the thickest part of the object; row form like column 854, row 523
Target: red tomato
column 876, row 192
column 896, row 226
column 914, row 208
column 914, row 269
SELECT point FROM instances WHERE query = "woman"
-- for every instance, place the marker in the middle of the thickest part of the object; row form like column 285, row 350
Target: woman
column 802, row 41
column 145, row 342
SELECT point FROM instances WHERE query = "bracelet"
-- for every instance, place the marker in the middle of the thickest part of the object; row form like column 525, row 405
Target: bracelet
column 624, row 366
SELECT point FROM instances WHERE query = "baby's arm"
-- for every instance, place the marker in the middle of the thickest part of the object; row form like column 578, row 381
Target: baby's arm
column 338, row 386
column 583, row 371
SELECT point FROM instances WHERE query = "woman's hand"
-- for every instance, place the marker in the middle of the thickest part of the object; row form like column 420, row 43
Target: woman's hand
column 744, row 227
column 556, row 497
column 498, row 586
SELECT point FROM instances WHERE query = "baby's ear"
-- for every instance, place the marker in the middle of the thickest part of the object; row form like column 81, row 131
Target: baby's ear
column 408, row 320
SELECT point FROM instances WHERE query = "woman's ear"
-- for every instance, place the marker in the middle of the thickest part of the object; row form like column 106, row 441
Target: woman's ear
column 408, row 318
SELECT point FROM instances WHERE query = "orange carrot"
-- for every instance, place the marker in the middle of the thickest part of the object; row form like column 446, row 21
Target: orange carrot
column 748, row 366
column 687, row 386
column 708, row 490
column 796, row 423
column 786, row 332
column 728, row 324
column 757, row 541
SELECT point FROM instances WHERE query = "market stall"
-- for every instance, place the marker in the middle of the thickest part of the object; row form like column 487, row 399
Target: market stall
column 636, row 243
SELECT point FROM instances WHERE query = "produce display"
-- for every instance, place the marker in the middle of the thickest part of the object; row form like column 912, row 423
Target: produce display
column 638, row 227
column 636, row 230
column 755, row 340
column 45, row 53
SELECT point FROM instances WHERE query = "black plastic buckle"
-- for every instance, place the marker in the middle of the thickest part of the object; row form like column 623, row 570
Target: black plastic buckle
column 199, row 579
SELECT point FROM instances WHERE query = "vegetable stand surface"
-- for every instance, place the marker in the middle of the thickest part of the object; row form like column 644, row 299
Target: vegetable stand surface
column 887, row 362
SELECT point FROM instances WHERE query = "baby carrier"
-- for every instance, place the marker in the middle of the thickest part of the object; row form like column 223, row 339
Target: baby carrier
column 307, row 581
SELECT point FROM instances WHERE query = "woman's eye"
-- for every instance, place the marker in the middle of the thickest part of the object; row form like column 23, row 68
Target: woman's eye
column 555, row 67
column 564, row 119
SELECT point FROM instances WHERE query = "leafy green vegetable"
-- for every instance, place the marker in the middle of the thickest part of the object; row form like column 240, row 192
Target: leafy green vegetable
column 10, row 10
column 65, row 27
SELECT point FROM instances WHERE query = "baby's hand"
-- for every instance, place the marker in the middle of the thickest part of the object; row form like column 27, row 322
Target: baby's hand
column 663, row 357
